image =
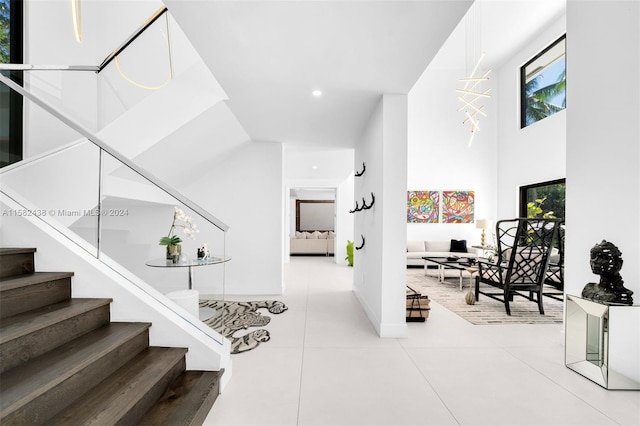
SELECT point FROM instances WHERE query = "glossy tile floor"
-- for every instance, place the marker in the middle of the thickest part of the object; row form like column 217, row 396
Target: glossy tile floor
column 325, row 365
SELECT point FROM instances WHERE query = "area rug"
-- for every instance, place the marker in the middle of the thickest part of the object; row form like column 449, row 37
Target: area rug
column 231, row 317
column 486, row 310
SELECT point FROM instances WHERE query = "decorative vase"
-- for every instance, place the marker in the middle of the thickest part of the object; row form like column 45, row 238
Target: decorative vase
column 173, row 252
column 470, row 298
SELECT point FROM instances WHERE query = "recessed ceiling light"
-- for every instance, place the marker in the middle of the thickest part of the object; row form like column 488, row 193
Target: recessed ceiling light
column 317, row 93
column 314, row 167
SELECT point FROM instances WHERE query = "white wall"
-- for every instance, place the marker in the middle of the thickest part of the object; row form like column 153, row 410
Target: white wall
column 439, row 155
column 603, row 134
column 187, row 96
column 331, row 163
column 380, row 267
column 536, row 153
column 243, row 188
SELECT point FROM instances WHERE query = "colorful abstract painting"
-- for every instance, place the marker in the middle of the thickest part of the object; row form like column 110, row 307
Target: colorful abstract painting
column 423, row 206
column 457, row 206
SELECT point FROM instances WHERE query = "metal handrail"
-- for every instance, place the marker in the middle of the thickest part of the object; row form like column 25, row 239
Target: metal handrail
column 95, row 68
column 39, row 157
column 114, row 153
column 132, row 37
column 30, row 67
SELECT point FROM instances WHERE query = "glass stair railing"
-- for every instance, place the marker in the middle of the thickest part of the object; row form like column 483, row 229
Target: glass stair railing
column 113, row 209
column 82, row 130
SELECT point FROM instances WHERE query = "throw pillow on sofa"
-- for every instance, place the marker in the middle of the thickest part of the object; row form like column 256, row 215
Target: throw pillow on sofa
column 300, row 235
column 458, row 246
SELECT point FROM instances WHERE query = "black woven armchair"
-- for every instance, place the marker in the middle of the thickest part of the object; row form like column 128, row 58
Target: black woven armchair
column 521, row 266
column 555, row 271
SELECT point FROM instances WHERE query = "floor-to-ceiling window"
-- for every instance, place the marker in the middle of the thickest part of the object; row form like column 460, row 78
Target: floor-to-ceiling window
column 11, row 41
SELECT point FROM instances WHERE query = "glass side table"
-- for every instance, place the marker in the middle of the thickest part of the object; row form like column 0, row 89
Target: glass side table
column 188, row 299
column 188, row 263
column 603, row 342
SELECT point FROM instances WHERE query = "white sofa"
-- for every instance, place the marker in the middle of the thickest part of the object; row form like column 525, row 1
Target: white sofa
column 416, row 250
column 317, row 243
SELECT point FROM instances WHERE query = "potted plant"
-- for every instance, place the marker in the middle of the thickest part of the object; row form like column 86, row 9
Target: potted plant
column 171, row 240
column 349, row 257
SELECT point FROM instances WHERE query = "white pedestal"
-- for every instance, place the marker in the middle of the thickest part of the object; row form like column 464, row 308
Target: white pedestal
column 187, row 299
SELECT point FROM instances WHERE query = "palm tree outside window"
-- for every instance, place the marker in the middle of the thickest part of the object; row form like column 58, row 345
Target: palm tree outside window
column 543, row 84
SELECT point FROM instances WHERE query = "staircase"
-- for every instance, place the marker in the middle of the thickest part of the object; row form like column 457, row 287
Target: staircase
column 63, row 362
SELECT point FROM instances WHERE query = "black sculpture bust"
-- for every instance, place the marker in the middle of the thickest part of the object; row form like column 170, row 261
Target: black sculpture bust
column 606, row 261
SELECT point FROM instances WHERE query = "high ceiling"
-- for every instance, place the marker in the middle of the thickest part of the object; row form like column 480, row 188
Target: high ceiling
column 500, row 27
column 270, row 55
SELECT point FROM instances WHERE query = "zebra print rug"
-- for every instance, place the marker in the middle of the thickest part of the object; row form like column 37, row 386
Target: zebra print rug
column 231, row 317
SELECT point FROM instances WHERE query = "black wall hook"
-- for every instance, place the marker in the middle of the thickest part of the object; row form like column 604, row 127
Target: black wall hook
column 361, row 245
column 358, row 174
column 366, row 206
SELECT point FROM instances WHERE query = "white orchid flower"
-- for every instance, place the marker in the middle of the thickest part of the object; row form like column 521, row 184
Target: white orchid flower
column 180, row 214
column 188, row 228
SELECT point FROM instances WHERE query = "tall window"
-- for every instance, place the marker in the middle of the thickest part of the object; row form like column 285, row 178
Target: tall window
column 543, row 84
column 5, row 31
column 11, row 103
column 543, row 200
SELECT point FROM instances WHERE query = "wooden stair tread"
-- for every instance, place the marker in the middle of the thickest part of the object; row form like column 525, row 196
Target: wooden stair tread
column 38, row 319
column 32, row 290
column 16, row 250
column 188, row 400
column 23, row 383
column 11, row 283
column 113, row 398
column 16, row 261
column 64, row 363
